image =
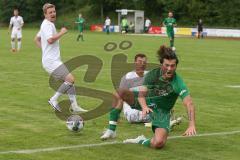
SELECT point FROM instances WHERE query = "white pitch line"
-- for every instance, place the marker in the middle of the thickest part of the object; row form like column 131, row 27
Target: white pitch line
column 30, row 151
column 233, row 86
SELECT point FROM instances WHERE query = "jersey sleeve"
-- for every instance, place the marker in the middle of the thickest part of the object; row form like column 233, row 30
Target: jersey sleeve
column 47, row 31
column 123, row 83
column 11, row 21
column 22, row 22
column 39, row 34
column 181, row 89
column 164, row 22
column 174, row 21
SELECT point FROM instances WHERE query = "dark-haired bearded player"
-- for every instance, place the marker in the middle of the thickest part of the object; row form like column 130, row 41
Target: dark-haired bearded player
column 161, row 88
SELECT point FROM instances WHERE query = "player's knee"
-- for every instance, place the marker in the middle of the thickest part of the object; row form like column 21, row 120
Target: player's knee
column 70, row 78
column 116, row 96
column 158, row 143
column 120, row 93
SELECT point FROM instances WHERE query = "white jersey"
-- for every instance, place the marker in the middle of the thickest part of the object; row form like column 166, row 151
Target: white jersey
column 131, row 80
column 50, row 52
column 147, row 23
column 107, row 22
column 16, row 22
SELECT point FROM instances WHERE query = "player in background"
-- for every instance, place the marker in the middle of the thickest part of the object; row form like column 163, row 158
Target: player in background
column 170, row 23
column 200, row 28
column 80, row 22
column 107, row 24
column 161, row 88
column 16, row 24
column 124, row 25
column 147, row 25
column 48, row 40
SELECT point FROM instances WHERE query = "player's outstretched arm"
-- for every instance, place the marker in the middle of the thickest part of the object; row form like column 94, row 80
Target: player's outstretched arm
column 37, row 41
column 22, row 24
column 9, row 28
column 142, row 101
column 57, row 36
column 188, row 103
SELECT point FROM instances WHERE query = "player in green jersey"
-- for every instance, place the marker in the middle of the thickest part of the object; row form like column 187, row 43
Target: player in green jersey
column 170, row 23
column 80, row 22
column 161, row 88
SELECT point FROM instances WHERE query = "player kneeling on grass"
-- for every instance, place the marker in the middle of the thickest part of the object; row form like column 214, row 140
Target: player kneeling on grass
column 128, row 82
column 161, row 88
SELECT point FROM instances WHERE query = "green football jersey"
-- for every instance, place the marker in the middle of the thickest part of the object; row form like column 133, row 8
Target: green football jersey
column 80, row 22
column 169, row 22
column 164, row 93
column 124, row 23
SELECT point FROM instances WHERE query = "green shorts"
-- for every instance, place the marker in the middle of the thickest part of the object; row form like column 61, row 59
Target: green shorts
column 170, row 34
column 80, row 29
column 160, row 118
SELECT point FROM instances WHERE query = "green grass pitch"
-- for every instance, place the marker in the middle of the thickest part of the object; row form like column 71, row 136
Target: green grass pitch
column 208, row 66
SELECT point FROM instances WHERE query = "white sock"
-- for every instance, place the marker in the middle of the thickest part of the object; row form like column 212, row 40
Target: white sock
column 55, row 96
column 13, row 44
column 19, row 45
column 61, row 90
column 72, row 95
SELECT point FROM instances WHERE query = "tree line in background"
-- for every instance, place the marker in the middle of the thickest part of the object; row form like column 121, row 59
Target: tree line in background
column 187, row 12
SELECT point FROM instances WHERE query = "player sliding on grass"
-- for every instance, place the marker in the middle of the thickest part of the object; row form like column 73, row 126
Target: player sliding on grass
column 170, row 23
column 134, row 79
column 48, row 40
column 129, row 84
column 161, row 88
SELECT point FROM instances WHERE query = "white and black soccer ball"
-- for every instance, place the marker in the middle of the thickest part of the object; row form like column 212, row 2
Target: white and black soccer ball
column 75, row 123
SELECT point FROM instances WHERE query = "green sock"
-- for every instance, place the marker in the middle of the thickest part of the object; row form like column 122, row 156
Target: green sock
column 114, row 115
column 146, row 143
column 82, row 37
column 171, row 43
column 78, row 37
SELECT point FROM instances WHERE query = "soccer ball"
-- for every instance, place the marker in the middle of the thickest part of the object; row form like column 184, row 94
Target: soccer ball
column 75, row 123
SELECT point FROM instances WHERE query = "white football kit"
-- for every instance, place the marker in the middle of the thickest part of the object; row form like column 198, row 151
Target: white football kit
column 130, row 81
column 16, row 22
column 107, row 22
column 51, row 59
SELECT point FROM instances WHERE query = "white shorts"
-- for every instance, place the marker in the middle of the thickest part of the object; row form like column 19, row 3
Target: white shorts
column 16, row 33
column 57, row 69
column 134, row 115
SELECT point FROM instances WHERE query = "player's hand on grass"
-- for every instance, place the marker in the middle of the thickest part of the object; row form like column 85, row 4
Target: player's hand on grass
column 146, row 110
column 63, row 30
column 191, row 131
